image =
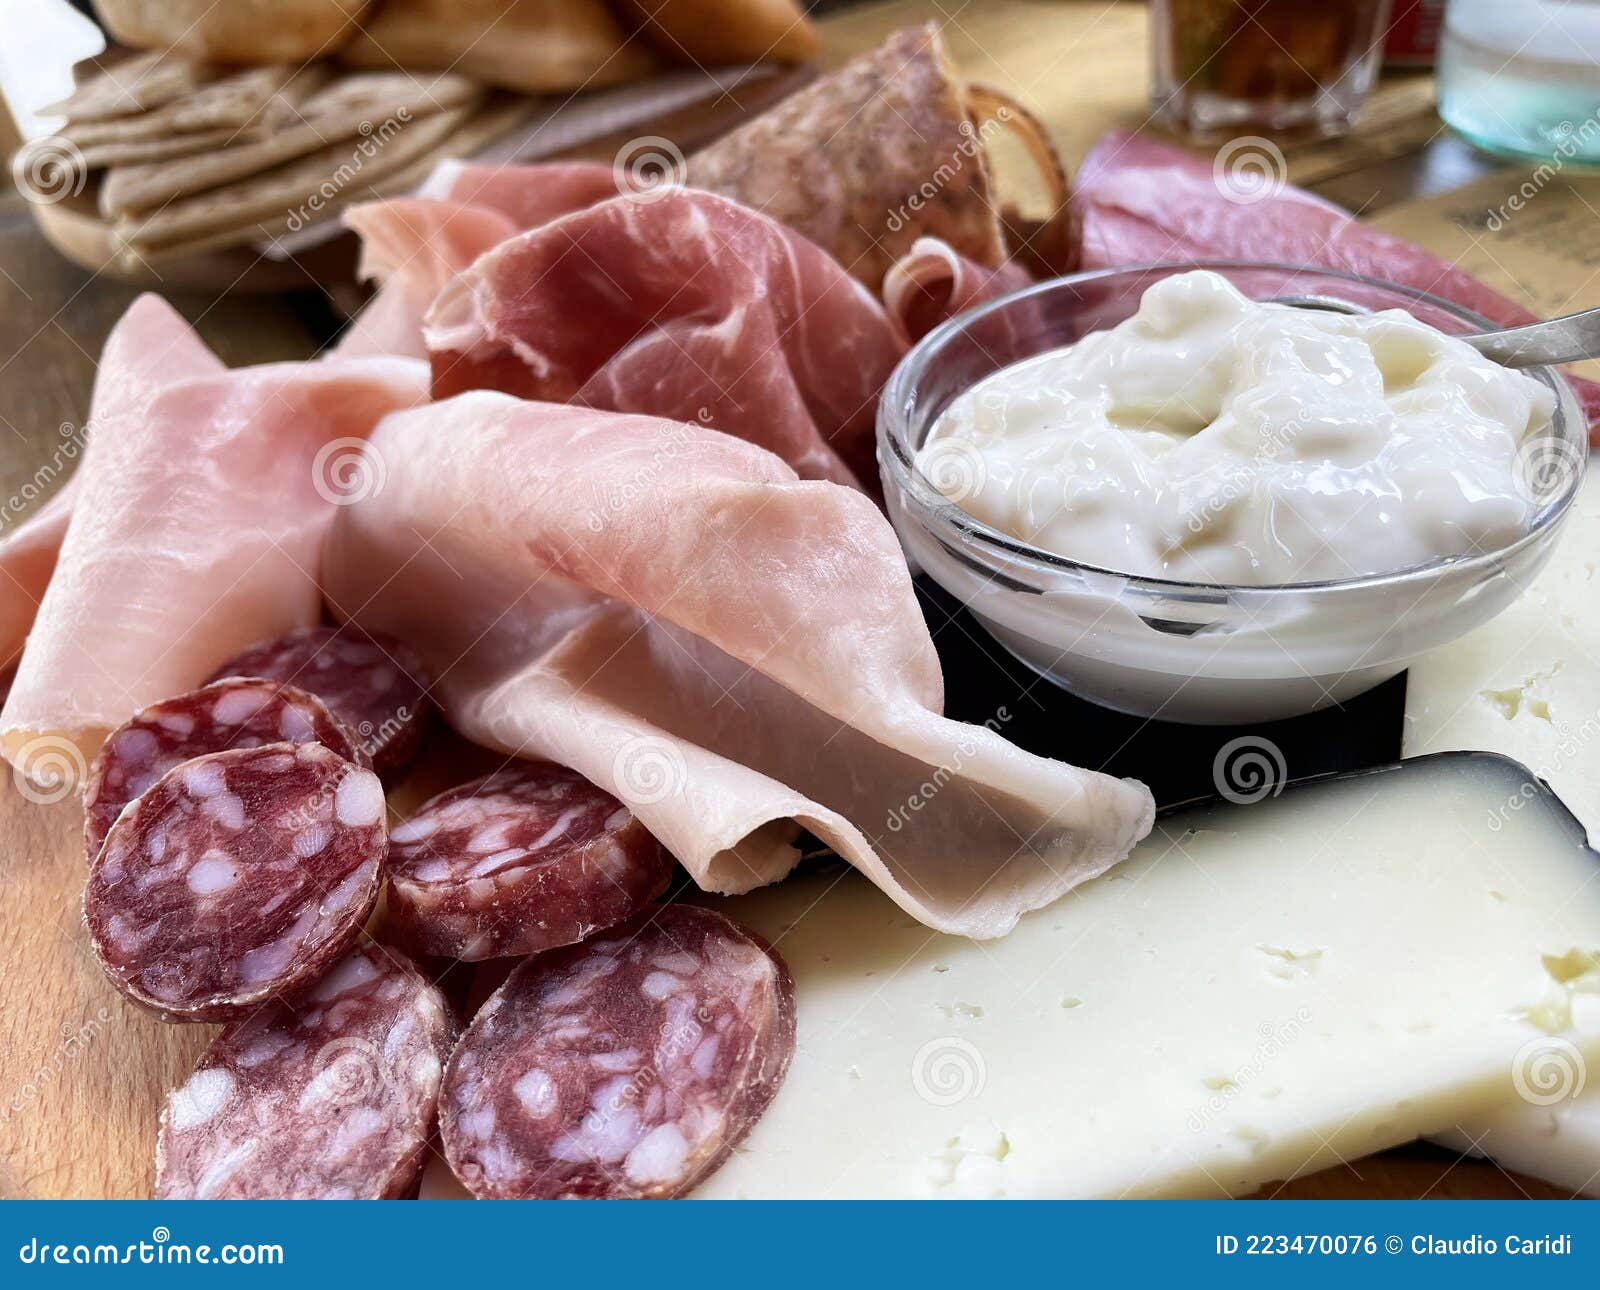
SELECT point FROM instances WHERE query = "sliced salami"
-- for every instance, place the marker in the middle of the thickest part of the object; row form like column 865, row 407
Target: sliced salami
column 235, row 877
column 242, row 712
column 332, row 1097
column 626, row 1067
column 526, row 859
column 376, row 684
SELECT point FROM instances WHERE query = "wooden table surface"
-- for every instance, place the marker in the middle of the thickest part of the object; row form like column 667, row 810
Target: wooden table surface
column 81, row 1074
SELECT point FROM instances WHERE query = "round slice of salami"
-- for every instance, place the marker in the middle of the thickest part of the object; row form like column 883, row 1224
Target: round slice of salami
column 523, row 860
column 629, row 1066
column 330, row 1097
column 242, row 712
column 376, row 684
column 235, row 877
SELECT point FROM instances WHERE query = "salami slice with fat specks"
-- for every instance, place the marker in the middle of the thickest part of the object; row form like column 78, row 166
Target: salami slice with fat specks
column 626, row 1067
column 331, row 1096
column 376, row 684
column 242, row 712
column 237, row 876
column 523, row 860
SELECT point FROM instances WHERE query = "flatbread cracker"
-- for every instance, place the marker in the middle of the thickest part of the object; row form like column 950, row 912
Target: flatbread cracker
column 134, row 84
column 354, row 104
column 501, row 116
column 305, row 187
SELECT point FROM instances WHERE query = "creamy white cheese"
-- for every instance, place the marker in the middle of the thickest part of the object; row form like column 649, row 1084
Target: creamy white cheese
column 1212, row 438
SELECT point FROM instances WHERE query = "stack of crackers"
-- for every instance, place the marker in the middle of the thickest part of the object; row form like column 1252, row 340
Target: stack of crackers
column 183, row 150
column 193, row 156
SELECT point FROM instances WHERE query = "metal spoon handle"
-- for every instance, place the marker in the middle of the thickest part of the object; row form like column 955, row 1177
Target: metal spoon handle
column 1560, row 340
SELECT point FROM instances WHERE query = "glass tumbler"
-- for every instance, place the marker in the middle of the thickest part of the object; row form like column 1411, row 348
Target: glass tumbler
column 1228, row 67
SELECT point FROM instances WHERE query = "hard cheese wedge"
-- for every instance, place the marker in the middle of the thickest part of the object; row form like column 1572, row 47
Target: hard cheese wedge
column 1528, row 684
column 1559, row 1143
column 1260, row 991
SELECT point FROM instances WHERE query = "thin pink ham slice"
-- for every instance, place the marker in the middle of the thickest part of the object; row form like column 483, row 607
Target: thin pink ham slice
column 151, row 346
column 1139, row 201
column 933, row 282
column 683, row 305
column 412, row 246
column 727, row 649
column 198, row 523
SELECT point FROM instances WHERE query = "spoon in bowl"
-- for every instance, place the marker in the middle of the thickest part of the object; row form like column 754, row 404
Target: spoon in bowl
column 1568, row 339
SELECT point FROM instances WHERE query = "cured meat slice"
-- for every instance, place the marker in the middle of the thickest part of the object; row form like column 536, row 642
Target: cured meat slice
column 1140, row 201
column 149, row 348
column 523, row 860
column 235, row 877
column 237, row 713
column 867, row 159
column 729, row 651
column 627, row 1067
column 932, row 283
column 412, row 246
column 332, row 1097
column 377, row 685
column 692, row 307
column 197, row 528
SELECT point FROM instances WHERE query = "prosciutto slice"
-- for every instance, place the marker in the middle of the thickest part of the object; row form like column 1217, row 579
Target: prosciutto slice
column 1139, row 201
column 150, row 346
column 412, row 246
column 683, row 305
column 203, row 503
column 729, row 650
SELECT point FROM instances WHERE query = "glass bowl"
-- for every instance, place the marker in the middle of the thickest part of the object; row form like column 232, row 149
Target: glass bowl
column 1193, row 652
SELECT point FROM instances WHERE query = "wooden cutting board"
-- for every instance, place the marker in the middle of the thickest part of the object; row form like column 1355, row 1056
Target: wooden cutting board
column 82, row 1075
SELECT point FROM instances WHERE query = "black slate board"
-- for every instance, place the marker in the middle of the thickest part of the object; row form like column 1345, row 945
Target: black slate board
column 1178, row 762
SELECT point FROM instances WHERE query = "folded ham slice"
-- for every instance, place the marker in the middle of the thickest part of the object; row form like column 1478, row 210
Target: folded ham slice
column 1139, row 201
column 150, row 346
column 729, row 650
column 683, row 305
column 933, row 282
column 412, row 246
column 203, row 500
